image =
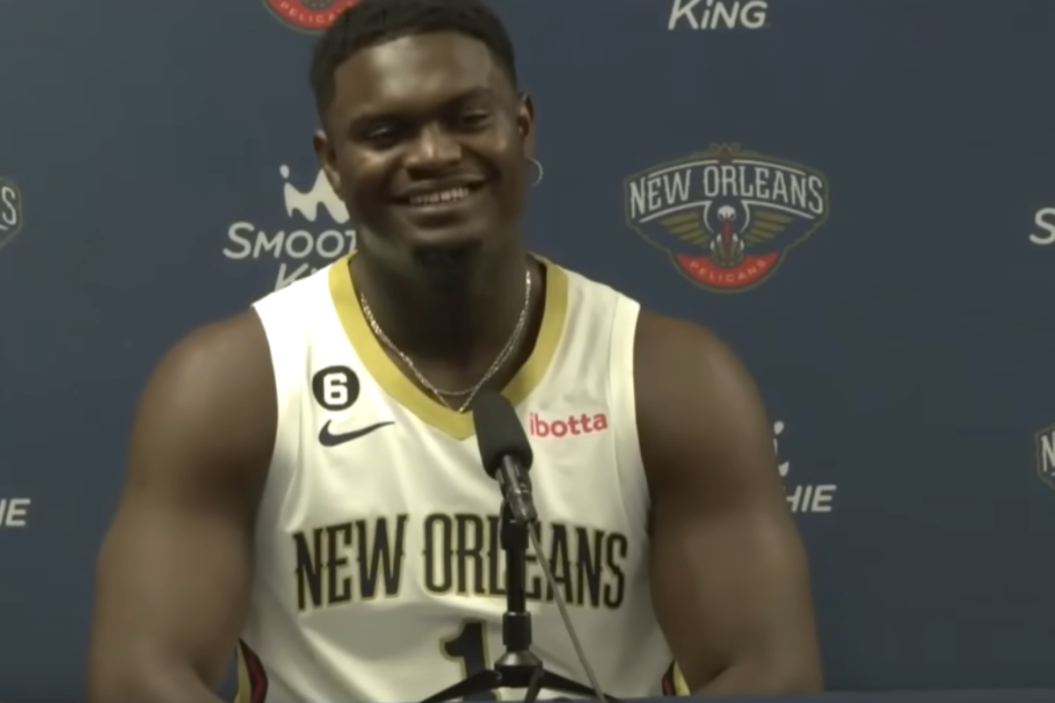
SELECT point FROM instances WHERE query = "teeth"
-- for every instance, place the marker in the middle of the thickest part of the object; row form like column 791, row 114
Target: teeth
column 443, row 196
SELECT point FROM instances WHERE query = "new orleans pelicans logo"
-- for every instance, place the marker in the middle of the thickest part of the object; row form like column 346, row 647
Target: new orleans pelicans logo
column 309, row 15
column 727, row 217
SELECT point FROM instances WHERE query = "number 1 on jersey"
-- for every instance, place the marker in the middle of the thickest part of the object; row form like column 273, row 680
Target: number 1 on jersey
column 470, row 648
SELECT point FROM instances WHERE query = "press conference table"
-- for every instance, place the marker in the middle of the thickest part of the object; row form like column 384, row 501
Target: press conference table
column 993, row 696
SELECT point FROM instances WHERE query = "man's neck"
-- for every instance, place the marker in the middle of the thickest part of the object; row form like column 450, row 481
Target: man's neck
column 457, row 317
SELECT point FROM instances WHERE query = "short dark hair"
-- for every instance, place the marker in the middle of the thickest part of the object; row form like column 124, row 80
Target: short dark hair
column 373, row 22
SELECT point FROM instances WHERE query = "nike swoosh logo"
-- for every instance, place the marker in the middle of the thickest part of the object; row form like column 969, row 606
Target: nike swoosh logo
column 328, row 439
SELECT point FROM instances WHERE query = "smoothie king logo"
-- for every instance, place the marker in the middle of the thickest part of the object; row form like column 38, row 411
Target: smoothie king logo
column 313, row 233
column 14, row 512
column 727, row 217
column 718, row 14
column 802, row 497
column 10, row 211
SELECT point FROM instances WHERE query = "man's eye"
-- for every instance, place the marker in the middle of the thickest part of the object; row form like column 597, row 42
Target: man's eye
column 381, row 136
column 475, row 119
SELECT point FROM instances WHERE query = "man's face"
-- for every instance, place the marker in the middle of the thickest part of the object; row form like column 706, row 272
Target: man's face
column 428, row 141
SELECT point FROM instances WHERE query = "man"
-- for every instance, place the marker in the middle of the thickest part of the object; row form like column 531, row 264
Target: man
column 303, row 484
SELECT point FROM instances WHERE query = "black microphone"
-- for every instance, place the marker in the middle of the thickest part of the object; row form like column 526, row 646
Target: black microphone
column 506, row 455
column 505, row 452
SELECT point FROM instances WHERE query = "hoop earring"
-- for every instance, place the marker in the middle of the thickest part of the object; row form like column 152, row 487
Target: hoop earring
column 541, row 172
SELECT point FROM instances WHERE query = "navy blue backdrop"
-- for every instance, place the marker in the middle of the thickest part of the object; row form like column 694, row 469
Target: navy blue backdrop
column 859, row 196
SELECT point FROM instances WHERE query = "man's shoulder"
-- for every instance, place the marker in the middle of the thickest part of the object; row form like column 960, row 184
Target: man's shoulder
column 211, row 400
column 205, row 423
column 684, row 367
column 697, row 404
column 227, row 360
column 222, row 341
column 672, row 345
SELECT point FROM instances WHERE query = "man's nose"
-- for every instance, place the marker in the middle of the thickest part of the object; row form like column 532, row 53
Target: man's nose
column 434, row 149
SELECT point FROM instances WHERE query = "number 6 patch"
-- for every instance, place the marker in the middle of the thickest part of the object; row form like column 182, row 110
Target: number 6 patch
column 335, row 387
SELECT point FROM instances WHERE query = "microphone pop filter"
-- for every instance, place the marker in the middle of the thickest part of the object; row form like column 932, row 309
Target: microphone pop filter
column 498, row 432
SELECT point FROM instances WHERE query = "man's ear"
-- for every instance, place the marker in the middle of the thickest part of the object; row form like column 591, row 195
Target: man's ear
column 327, row 157
column 526, row 125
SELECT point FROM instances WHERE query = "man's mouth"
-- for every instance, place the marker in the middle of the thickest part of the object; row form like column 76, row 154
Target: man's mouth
column 446, row 196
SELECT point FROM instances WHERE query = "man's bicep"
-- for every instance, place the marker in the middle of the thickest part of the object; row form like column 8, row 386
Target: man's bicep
column 731, row 588
column 172, row 587
column 729, row 572
column 174, row 570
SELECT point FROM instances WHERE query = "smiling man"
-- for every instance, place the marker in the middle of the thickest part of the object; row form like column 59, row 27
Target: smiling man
column 304, row 487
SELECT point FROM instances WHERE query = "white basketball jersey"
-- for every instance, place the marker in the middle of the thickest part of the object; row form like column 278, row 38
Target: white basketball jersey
column 379, row 575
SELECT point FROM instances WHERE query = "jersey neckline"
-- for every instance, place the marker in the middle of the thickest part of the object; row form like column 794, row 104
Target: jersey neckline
column 394, row 382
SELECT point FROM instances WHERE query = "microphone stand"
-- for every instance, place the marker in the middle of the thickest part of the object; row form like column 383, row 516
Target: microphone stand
column 518, row 667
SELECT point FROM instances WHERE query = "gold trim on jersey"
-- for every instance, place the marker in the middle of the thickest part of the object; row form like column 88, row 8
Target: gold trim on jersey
column 674, row 683
column 243, row 693
column 392, row 379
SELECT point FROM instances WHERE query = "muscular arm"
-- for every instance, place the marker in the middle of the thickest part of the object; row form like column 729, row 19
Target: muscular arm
column 174, row 569
column 729, row 573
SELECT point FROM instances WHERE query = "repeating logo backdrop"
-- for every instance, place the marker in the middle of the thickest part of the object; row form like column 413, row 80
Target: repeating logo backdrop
column 858, row 196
